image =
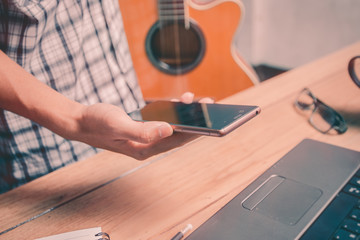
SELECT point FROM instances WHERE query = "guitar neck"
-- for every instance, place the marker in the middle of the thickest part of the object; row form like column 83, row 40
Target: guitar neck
column 171, row 10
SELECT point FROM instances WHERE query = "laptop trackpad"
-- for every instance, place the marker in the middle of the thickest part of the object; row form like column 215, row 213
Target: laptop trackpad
column 282, row 199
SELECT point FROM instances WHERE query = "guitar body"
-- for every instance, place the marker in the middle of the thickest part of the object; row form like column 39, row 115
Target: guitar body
column 218, row 70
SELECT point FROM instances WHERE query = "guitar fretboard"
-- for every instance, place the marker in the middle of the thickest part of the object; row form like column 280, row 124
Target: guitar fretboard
column 171, row 10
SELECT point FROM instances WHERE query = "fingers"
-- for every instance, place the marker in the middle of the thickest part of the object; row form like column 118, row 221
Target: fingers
column 148, row 132
column 206, row 100
column 187, row 97
column 142, row 151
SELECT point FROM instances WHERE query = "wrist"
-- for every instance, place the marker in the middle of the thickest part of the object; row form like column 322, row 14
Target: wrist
column 66, row 121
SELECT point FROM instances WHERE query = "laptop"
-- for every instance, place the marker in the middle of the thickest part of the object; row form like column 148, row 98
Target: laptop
column 313, row 192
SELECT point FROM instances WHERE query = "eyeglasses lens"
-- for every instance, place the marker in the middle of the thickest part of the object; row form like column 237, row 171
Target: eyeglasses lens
column 305, row 100
column 323, row 118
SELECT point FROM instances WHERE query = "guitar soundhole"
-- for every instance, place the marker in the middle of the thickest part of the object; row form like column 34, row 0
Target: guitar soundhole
column 174, row 49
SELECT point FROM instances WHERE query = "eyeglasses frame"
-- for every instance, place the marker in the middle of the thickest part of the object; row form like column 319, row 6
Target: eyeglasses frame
column 339, row 124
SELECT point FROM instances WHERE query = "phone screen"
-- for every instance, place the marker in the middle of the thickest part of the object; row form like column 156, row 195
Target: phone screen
column 202, row 117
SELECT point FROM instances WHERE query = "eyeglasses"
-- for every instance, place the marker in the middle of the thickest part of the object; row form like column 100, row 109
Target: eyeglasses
column 323, row 118
column 354, row 70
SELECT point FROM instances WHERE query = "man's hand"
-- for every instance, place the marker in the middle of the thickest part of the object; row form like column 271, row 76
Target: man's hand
column 109, row 127
column 100, row 125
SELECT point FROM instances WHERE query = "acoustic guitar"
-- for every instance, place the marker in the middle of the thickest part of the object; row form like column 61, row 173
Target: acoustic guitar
column 184, row 45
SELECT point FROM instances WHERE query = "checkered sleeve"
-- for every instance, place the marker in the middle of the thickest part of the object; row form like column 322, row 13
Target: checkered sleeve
column 76, row 47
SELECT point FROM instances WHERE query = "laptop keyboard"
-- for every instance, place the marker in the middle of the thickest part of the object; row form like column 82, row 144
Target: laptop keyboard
column 343, row 215
column 350, row 226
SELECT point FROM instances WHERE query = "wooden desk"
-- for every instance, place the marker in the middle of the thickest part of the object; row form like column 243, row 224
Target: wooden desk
column 156, row 198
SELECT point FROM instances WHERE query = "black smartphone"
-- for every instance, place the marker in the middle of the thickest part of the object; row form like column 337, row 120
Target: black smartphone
column 211, row 119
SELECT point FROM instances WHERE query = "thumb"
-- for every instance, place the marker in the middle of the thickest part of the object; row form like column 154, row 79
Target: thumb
column 148, row 132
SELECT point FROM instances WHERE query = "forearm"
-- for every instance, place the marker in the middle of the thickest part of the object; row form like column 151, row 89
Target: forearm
column 23, row 94
column 100, row 125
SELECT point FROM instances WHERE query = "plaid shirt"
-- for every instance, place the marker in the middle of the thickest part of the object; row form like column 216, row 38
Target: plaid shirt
column 76, row 47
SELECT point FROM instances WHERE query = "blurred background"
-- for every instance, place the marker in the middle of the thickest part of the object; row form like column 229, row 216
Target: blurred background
column 273, row 36
column 278, row 35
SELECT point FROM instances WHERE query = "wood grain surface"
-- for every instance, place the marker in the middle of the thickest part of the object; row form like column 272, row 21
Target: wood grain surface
column 157, row 198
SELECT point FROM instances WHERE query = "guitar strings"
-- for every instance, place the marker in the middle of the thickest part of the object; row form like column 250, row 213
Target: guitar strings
column 171, row 15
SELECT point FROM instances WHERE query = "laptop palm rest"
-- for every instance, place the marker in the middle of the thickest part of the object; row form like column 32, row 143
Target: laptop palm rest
column 278, row 198
column 287, row 198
